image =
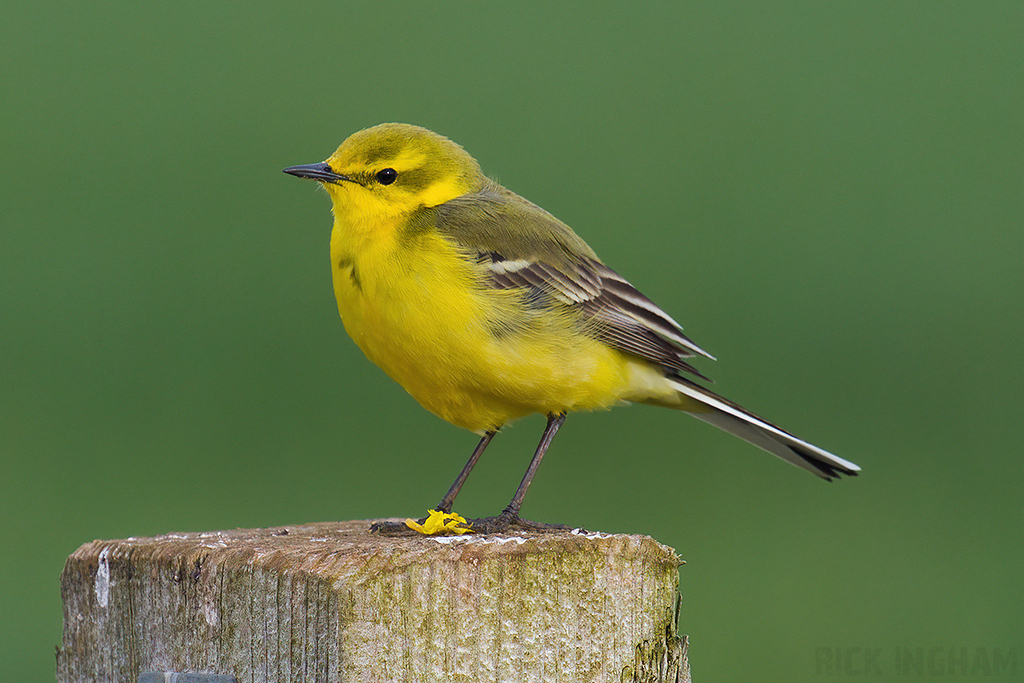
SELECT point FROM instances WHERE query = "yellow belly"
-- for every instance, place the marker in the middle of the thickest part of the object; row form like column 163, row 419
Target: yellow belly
column 418, row 312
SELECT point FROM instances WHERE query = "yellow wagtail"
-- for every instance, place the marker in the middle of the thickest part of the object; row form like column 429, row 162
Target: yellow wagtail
column 486, row 308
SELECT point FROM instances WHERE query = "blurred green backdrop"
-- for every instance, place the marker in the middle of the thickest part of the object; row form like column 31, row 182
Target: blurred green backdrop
column 827, row 195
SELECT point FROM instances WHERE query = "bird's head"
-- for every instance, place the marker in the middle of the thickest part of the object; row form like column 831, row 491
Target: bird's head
column 393, row 169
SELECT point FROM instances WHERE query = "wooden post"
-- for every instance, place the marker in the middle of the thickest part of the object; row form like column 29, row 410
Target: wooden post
column 331, row 602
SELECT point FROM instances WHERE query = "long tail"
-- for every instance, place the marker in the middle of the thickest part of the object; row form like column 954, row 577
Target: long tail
column 740, row 422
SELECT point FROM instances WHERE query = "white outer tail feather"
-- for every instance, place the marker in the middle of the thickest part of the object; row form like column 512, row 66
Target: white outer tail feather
column 754, row 430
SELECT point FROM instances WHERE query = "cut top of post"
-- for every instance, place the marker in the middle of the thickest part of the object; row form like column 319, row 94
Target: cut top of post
column 330, row 601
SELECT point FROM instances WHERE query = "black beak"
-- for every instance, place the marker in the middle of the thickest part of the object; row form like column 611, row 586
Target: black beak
column 321, row 172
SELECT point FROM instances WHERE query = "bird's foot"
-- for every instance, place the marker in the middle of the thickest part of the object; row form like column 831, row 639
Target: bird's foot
column 505, row 522
column 485, row 525
column 394, row 528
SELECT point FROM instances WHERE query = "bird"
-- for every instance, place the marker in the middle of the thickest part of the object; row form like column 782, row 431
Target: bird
column 486, row 308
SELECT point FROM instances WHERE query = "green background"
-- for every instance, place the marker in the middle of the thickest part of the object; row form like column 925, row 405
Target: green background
column 827, row 195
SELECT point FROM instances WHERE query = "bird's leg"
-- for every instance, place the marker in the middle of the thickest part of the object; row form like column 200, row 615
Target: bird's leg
column 555, row 421
column 400, row 528
column 509, row 518
column 449, row 498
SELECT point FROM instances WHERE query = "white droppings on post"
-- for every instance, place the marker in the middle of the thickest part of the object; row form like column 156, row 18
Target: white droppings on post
column 210, row 613
column 102, row 584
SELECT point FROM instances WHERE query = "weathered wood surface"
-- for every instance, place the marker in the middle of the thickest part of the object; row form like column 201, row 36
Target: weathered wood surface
column 330, row 602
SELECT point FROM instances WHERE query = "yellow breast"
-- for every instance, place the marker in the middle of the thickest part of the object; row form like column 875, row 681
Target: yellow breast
column 468, row 353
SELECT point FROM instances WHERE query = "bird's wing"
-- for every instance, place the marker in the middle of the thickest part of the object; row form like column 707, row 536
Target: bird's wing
column 522, row 246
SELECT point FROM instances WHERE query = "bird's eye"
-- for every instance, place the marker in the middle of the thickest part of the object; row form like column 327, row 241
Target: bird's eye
column 387, row 176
